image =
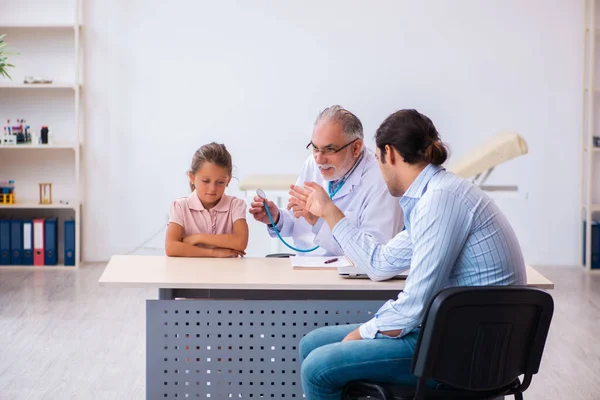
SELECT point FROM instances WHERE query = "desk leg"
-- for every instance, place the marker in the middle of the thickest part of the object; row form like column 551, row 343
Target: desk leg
column 166, row 294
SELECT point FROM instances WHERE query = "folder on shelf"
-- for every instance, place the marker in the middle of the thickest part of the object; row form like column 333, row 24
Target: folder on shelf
column 38, row 242
column 27, row 253
column 4, row 242
column 51, row 241
column 595, row 245
column 16, row 242
column 69, row 243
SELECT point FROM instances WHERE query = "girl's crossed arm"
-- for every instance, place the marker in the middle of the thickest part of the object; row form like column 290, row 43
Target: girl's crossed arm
column 238, row 240
column 175, row 246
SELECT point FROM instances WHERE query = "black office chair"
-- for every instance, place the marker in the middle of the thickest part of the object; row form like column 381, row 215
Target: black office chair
column 474, row 343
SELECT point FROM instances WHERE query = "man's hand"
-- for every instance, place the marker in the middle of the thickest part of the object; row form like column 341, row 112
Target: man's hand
column 257, row 209
column 320, row 205
column 297, row 203
column 394, row 333
column 314, row 199
column 354, row 335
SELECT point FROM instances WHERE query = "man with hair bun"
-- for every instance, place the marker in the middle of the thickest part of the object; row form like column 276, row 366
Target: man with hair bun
column 455, row 236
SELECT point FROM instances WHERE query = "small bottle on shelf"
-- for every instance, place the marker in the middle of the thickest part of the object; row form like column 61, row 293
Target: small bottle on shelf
column 44, row 135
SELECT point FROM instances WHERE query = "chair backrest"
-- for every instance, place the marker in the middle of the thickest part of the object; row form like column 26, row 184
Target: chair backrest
column 483, row 338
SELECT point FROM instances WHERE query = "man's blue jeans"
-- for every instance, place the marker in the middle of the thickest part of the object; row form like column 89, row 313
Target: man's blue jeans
column 328, row 364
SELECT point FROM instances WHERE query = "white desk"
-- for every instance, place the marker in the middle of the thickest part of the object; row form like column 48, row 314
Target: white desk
column 238, row 337
column 244, row 274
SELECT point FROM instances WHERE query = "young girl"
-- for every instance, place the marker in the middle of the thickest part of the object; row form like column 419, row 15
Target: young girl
column 208, row 223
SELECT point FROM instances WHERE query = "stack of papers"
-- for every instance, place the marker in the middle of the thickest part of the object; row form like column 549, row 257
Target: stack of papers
column 300, row 262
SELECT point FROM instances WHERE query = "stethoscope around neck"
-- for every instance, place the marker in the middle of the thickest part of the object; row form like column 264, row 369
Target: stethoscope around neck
column 261, row 193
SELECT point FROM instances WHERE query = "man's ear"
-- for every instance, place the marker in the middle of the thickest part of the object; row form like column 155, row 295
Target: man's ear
column 390, row 155
column 357, row 147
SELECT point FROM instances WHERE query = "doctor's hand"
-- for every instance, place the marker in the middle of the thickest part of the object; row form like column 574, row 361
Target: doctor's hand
column 297, row 203
column 257, row 209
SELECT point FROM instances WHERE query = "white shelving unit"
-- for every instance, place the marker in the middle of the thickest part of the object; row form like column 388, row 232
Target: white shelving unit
column 30, row 205
column 44, row 147
column 40, row 26
column 58, row 105
column 590, row 178
column 53, row 86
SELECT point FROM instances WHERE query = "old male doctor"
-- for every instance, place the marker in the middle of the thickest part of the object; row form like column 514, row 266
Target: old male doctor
column 349, row 172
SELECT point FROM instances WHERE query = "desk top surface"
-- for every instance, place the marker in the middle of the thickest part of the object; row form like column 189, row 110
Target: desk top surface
column 243, row 273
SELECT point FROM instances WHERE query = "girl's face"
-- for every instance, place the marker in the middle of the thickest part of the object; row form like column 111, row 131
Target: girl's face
column 210, row 181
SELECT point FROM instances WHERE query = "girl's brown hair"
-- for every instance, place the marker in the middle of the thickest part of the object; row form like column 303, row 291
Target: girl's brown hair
column 215, row 153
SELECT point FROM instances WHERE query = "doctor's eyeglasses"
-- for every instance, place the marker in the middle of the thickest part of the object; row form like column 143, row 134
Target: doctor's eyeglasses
column 327, row 150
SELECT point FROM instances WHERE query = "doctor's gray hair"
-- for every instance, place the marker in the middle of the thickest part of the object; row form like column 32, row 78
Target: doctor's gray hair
column 351, row 125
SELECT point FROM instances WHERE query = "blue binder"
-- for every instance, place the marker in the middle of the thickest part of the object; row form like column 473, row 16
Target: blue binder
column 4, row 242
column 70, row 243
column 16, row 242
column 27, row 252
column 595, row 262
column 50, row 242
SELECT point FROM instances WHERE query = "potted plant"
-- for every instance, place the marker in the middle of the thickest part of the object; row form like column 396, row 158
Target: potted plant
column 3, row 57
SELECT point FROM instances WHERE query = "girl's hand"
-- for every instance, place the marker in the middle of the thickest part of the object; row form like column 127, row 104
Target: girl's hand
column 227, row 253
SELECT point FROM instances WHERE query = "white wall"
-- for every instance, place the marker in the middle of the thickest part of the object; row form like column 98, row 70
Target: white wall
column 163, row 78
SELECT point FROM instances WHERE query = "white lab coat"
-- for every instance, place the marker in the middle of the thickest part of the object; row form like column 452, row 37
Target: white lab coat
column 364, row 199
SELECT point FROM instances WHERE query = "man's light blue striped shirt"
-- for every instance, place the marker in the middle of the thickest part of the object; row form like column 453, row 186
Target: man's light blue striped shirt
column 455, row 236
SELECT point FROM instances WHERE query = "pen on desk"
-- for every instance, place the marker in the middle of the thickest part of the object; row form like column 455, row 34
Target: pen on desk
column 330, row 261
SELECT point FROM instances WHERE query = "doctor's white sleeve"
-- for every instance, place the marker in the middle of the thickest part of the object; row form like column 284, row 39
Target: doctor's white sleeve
column 324, row 238
column 382, row 217
column 285, row 225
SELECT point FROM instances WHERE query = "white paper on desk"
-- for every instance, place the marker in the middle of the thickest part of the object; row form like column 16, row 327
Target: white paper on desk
column 319, row 262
